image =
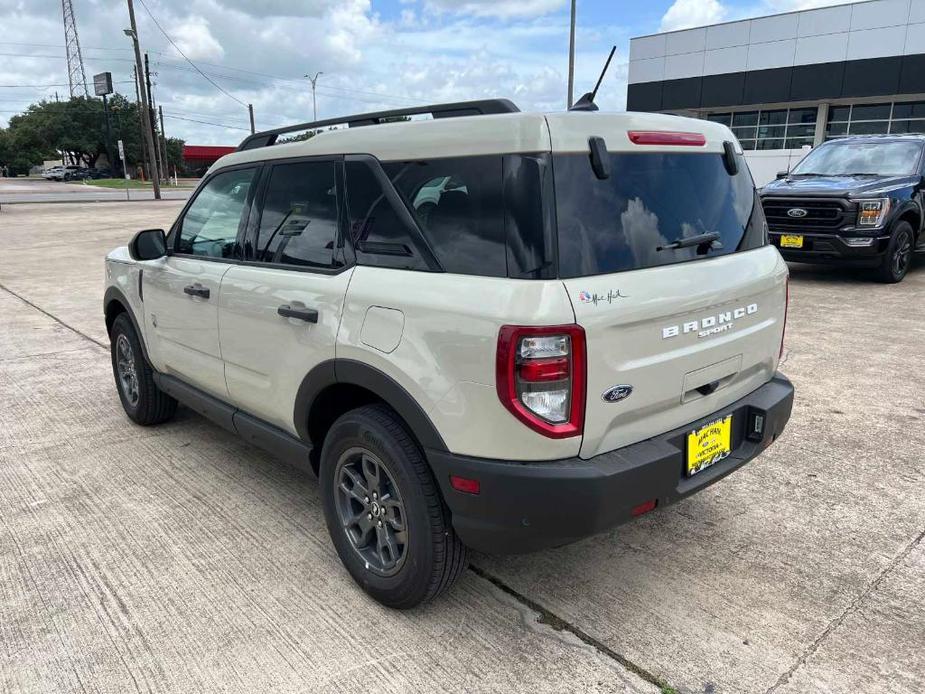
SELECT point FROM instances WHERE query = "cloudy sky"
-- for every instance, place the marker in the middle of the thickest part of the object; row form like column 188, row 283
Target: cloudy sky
column 374, row 54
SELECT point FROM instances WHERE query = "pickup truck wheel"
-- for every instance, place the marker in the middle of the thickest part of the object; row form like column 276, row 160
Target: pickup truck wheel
column 384, row 512
column 898, row 256
column 142, row 400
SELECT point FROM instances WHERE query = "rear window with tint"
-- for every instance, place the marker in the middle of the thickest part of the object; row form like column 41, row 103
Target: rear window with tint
column 648, row 201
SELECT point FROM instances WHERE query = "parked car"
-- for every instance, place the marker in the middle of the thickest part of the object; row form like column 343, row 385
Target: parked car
column 65, row 173
column 99, row 173
column 584, row 326
column 853, row 201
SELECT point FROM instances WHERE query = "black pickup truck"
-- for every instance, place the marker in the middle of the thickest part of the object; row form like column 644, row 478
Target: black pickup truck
column 854, row 201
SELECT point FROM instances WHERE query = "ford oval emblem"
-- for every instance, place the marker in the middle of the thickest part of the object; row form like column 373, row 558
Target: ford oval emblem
column 796, row 212
column 617, row 393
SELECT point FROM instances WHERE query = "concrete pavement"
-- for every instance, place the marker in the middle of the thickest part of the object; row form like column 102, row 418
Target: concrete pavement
column 180, row 559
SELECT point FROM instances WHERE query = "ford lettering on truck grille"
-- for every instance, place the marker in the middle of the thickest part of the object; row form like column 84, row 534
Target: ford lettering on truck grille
column 711, row 325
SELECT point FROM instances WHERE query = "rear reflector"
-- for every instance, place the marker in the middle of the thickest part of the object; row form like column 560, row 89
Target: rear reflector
column 644, row 507
column 464, row 484
column 658, row 137
column 544, row 369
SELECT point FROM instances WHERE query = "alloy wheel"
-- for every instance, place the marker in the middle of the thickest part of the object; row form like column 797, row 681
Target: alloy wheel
column 125, row 366
column 902, row 255
column 370, row 510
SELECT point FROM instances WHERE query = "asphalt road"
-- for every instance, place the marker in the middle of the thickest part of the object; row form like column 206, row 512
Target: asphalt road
column 179, row 559
column 29, row 190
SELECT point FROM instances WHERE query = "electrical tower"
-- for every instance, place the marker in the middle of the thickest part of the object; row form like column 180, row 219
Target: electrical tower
column 76, row 78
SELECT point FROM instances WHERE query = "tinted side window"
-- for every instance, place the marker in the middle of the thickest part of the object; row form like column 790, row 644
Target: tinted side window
column 298, row 223
column 210, row 225
column 458, row 204
column 380, row 233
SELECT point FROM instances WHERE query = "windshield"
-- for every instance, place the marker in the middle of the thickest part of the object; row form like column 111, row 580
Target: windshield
column 641, row 215
column 876, row 158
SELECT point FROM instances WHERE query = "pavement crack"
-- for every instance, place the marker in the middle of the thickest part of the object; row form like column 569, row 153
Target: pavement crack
column 53, row 317
column 557, row 623
column 852, row 607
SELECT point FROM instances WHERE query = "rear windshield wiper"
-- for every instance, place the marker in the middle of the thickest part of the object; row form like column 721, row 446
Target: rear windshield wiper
column 711, row 238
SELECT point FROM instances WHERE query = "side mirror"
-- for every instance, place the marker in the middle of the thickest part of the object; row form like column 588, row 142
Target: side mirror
column 148, row 244
column 782, row 174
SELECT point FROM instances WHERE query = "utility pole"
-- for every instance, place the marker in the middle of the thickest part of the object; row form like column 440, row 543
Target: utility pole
column 250, row 112
column 160, row 112
column 313, row 80
column 571, row 58
column 141, row 121
column 112, row 163
column 146, row 114
column 158, row 160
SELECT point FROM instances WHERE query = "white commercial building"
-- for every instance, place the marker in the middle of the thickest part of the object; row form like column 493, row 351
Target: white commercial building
column 789, row 81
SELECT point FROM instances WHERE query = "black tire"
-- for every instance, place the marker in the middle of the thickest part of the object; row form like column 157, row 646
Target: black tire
column 432, row 557
column 898, row 257
column 143, row 401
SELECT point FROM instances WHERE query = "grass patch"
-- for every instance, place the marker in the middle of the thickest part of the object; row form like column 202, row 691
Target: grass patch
column 120, row 183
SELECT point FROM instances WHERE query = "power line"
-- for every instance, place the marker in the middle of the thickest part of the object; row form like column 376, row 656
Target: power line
column 203, row 122
column 167, row 36
column 57, row 57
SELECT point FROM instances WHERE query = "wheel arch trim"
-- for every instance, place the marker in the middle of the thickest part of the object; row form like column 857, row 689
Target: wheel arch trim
column 114, row 295
column 351, row 372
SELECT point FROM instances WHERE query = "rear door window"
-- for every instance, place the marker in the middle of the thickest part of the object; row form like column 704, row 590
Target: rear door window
column 649, row 201
column 298, row 222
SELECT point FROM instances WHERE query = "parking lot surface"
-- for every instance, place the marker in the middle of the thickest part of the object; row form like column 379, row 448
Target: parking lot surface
column 178, row 558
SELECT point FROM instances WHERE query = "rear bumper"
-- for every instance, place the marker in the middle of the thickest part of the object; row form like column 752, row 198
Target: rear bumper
column 831, row 248
column 523, row 507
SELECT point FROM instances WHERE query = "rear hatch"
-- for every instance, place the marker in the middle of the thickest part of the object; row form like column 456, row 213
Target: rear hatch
column 673, row 334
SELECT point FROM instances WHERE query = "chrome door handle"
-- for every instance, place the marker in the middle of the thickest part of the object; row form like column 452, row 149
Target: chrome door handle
column 309, row 315
column 197, row 290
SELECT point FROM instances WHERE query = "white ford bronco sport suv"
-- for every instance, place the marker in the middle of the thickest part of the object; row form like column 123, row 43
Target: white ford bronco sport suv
column 488, row 329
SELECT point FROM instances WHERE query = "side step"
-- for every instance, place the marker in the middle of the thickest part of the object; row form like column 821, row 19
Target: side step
column 273, row 440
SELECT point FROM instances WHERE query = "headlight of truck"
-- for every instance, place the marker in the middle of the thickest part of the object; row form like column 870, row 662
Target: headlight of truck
column 871, row 213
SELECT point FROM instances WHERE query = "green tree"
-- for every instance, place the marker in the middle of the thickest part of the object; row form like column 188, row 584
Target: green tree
column 175, row 152
column 75, row 128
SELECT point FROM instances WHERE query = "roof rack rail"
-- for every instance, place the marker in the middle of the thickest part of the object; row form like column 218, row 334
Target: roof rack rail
column 482, row 107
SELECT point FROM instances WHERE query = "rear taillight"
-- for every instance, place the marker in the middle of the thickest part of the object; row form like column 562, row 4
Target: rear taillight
column 786, row 311
column 540, row 376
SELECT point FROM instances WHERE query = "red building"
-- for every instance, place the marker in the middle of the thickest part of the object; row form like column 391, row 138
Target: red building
column 198, row 158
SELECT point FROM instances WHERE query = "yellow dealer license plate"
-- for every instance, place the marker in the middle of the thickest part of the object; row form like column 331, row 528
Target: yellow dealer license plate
column 709, row 445
column 791, row 241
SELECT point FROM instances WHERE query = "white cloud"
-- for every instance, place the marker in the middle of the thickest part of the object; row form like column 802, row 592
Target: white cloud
column 369, row 62
column 684, row 14
column 193, row 37
column 692, row 13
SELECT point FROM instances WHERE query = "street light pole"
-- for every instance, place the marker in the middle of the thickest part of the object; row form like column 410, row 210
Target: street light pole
column 571, row 58
column 313, row 80
column 145, row 111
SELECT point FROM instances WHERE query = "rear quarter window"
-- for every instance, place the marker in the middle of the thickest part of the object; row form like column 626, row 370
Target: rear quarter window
column 650, row 200
column 457, row 202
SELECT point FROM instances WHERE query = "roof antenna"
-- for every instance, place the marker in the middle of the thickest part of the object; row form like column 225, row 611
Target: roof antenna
column 586, row 102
